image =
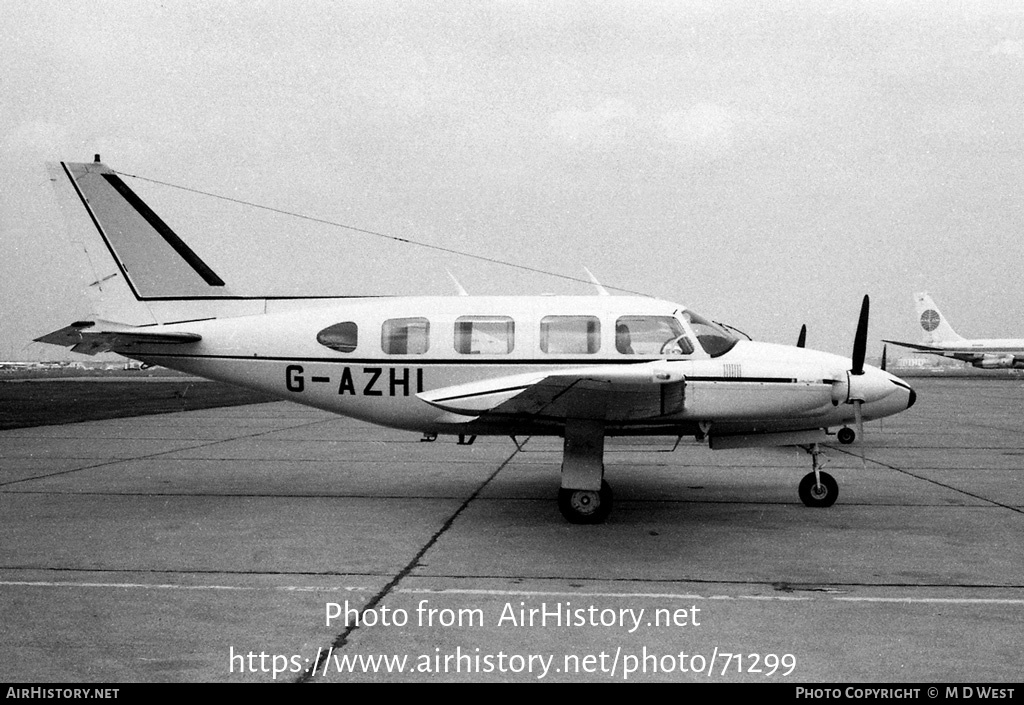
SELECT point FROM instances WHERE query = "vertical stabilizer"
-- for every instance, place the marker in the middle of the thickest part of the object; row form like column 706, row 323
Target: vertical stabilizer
column 935, row 326
column 134, row 257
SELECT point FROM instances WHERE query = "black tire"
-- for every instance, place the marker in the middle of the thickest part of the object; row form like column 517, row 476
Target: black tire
column 823, row 495
column 846, row 435
column 586, row 506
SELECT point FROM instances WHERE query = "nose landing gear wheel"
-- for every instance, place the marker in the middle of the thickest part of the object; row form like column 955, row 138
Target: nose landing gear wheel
column 846, row 435
column 586, row 506
column 818, row 495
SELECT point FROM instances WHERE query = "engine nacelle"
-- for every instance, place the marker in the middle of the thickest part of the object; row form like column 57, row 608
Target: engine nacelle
column 993, row 362
column 870, row 386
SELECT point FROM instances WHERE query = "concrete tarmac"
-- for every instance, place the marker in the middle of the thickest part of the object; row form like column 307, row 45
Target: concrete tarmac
column 225, row 545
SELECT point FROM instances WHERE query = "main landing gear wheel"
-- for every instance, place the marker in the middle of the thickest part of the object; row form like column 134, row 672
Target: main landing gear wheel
column 819, row 495
column 846, row 435
column 586, row 506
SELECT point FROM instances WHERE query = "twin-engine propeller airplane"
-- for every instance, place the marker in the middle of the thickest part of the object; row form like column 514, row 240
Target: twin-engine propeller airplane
column 583, row 368
column 939, row 338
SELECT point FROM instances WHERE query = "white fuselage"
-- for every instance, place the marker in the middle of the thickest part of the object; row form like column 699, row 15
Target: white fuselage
column 990, row 353
column 752, row 387
column 988, row 346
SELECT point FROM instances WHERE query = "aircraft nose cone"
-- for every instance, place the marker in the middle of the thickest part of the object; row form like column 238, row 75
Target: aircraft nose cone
column 911, row 399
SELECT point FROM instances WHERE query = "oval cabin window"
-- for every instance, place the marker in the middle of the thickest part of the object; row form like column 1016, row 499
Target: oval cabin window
column 342, row 337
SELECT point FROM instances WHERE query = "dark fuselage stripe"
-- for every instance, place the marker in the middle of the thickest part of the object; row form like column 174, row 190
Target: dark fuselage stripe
column 408, row 362
column 770, row 380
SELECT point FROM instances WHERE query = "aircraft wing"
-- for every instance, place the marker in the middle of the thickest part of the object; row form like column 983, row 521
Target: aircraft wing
column 608, row 392
column 92, row 337
column 917, row 346
column 963, row 355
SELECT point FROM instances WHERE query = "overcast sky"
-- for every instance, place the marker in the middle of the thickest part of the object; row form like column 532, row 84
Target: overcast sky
column 766, row 164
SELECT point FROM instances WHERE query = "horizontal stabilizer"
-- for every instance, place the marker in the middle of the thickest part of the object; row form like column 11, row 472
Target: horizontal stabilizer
column 92, row 337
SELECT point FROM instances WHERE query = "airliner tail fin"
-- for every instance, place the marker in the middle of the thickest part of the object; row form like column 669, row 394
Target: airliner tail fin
column 935, row 326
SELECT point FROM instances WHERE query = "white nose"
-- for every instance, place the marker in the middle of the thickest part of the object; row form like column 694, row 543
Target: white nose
column 873, row 387
column 907, row 390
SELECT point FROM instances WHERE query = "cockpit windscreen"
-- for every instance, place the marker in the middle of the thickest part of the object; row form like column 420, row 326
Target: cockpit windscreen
column 715, row 339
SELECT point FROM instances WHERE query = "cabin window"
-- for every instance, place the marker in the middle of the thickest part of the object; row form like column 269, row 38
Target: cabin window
column 570, row 335
column 342, row 337
column 405, row 336
column 651, row 335
column 484, row 335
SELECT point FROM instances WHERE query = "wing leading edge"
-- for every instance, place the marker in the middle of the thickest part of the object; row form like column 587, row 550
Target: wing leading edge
column 916, row 346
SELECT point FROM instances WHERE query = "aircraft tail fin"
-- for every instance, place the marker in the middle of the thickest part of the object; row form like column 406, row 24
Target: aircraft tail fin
column 135, row 258
column 935, row 326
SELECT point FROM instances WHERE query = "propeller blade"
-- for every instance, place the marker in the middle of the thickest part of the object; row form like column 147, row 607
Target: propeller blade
column 801, row 341
column 860, row 341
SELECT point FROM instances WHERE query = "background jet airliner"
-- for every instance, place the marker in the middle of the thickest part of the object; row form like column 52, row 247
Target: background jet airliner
column 941, row 339
column 579, row 367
